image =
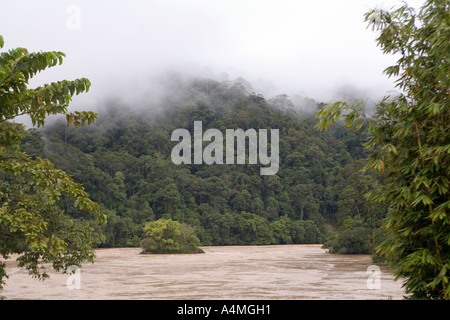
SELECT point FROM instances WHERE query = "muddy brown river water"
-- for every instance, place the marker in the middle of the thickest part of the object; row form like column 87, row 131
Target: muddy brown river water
column 229, row 272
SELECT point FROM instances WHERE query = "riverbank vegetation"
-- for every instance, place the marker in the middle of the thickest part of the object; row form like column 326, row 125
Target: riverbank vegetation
column 409, row 142
column 376, row 182
column 124, row 163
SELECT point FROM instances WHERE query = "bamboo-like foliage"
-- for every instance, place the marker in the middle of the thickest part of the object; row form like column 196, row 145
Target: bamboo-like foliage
column 409, row 143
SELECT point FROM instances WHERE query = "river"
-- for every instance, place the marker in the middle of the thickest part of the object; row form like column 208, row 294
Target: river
column 222, row 272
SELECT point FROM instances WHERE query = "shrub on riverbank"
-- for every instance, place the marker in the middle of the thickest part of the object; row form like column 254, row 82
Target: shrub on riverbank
column 351, row 239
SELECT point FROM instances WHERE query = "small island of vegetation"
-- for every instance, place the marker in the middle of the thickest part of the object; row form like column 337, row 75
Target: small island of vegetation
column 169, row 236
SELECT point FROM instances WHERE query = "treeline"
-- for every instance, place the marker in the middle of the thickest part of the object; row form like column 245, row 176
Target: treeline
column 124, row 163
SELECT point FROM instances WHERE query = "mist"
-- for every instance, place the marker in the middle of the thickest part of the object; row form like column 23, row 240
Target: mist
column 319, row 50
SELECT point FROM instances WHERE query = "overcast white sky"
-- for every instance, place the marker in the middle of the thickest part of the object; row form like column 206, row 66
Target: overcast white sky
column 308, row 47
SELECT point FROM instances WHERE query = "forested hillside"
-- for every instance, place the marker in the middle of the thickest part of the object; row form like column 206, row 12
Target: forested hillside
column 124, row 163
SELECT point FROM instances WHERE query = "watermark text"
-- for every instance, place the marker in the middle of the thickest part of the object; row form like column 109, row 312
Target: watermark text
column 235, row 147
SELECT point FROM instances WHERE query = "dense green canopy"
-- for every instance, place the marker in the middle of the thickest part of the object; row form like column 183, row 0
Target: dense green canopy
column 123, row 161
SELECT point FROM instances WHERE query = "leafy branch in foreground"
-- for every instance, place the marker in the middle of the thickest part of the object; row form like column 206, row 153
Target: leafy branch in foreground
column 409, row 142
column 32, row 223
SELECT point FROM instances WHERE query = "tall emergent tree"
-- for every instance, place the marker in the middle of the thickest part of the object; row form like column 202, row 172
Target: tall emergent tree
column 409, row 142
column 32, row 223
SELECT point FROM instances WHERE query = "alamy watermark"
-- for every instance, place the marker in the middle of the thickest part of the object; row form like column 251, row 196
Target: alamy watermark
column 235, row 147
column 374, row 280
column 74, row 19
column 74, row 280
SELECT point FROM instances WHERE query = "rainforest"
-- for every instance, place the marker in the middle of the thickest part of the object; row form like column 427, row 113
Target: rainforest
column 124, row 163
column 357, row 165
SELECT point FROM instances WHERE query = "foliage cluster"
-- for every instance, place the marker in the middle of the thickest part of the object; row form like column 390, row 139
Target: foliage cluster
column 409, row 143
column 123, row 161
column 32, row 222
column 168, row 236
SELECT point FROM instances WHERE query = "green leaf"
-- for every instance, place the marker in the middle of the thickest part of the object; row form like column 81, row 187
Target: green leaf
column 31, row 188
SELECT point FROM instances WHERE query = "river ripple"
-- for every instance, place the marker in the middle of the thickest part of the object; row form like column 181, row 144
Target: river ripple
column 223, row 272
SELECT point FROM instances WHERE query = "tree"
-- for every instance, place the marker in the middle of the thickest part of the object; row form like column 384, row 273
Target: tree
column 169, row 236
column 352, row 239
column 32, row 223
column 281, row 230
column 409, row 143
